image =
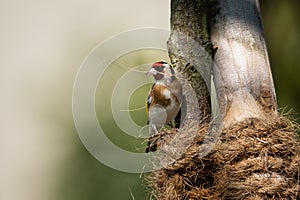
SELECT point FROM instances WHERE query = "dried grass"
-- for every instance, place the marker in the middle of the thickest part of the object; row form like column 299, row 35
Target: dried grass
column 254, row 159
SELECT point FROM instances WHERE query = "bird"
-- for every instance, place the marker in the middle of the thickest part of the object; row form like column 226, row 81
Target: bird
column 165, row 96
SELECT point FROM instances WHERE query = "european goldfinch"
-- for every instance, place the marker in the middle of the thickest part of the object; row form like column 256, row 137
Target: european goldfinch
column 164, row 99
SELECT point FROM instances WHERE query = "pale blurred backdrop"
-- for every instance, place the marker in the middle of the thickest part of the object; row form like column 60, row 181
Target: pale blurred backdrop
column 43, row 44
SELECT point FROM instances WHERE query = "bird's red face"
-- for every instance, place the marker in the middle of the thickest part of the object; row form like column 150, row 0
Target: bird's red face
column 158, row 70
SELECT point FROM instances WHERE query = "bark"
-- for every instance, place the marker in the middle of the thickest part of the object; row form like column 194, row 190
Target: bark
column 242, row 73
column 187, row 43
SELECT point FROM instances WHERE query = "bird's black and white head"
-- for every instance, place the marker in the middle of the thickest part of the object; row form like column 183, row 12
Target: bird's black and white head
column 162, row 70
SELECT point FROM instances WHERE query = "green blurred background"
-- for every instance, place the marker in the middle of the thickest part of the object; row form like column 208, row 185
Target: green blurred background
column 43, row 44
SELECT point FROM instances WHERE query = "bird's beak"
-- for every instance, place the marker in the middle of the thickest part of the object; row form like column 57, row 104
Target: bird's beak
column 152, row 71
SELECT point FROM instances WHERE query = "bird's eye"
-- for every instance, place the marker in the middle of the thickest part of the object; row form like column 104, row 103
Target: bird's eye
column 160, row 69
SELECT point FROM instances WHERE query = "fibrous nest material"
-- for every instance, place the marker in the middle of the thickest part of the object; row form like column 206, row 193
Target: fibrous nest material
column 253, row 159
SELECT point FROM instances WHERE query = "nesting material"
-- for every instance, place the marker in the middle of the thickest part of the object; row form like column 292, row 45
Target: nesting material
column 254, row 159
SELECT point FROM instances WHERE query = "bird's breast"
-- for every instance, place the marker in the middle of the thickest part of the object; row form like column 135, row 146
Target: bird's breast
column 161, row 95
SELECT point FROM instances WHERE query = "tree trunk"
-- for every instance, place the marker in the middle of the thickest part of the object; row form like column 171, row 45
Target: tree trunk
column 242, row 71
column 187, row 43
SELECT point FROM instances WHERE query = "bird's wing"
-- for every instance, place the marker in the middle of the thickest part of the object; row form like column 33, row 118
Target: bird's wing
column 149, row 101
